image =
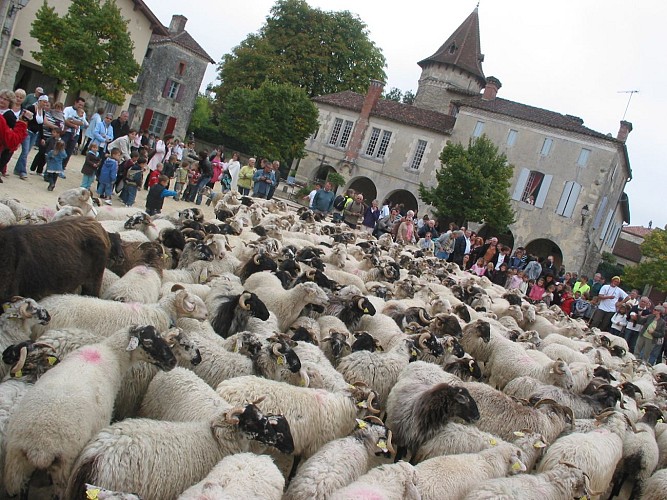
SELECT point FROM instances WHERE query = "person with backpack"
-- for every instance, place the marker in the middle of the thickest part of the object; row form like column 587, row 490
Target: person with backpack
column 108, row 173
column 340, row 202
column 133, row 178
column 354, row 210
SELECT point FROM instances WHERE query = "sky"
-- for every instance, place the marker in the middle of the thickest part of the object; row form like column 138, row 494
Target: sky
column 574, row 57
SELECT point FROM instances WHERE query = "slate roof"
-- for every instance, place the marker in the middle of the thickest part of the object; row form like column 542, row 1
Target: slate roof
column 533, row 114
column 184, row 40
column 462, row 49
column 391, row 110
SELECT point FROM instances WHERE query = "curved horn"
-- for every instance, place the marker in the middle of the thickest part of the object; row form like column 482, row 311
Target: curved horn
column 390, row 447
column 369, row 401
column 276, row 349
column 422, row 316
column 310, row 274
column 544, row 402
column 231, row 417
column 23, row 354
column 256, row 259
column 422, row 339
column 360, row 304
column 373, row 419
column 259, row 400
column 23, row 310
column 242, row 299
column 557, row 367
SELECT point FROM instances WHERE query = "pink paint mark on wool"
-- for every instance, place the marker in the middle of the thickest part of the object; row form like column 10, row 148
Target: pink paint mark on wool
column 362, row 493
column 91, row 356
column 48, row 212
column 134, row 306
column 321, row 396
column 141, row 270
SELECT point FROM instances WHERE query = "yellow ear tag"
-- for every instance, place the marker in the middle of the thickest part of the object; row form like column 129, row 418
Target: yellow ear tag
column 382, row 444
column 361, row 424
column 365, row 310
column 493, row 442
column 519, row 434
column 236, row 348
column 450, row 349
column 516, row 466
column 281, row 360
column 583, row 498
column 92, row 494
column 362, row 404
column 18, row 373
column 539, row 444
column 413, row 353
column 660, row 420
column 472, row 369
column 52, row 360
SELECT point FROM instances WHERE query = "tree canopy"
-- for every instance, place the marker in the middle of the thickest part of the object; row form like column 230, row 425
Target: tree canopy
column 473, row 185
column 653, row 269
column 397, row 95
column 272, row 121
column 318, row 51
column 89, row 49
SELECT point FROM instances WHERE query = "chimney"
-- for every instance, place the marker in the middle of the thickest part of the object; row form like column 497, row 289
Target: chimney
column 372, row 97
column 177, row 24
column 491, row 89
column 624, row 131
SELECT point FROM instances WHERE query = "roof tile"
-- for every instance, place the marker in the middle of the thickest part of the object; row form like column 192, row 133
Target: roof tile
column 184, row 40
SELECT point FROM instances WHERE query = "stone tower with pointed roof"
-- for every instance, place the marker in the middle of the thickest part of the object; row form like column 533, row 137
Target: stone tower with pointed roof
column 454, row 71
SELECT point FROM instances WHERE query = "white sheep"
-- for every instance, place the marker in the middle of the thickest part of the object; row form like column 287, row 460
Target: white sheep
column 7, row 217
column 386, row 482
column 383, row 328
column 106, row 316
column 287, row 304
column 596, row 453
column 243, row 475
column 159, row 460
column 140, row 284
column 341, row 461
column 84, row 385
column 452, row 476
column 656, row 486
column 561, row 482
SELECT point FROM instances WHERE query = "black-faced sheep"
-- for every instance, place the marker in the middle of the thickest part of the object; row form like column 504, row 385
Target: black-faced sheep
column 230, row 313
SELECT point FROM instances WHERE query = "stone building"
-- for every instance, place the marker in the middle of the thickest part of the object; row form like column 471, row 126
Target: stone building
column 22, row 70
column 567, row 188
column 171, row 74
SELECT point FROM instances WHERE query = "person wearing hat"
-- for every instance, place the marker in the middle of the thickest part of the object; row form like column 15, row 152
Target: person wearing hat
column 609, row 297
column 31, row 99
column 649, row 343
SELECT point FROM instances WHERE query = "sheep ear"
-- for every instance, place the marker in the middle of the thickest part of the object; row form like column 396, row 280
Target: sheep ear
column 133, row 344
column 177, row 287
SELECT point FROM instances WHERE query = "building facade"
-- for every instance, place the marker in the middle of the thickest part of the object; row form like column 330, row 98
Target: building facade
column 171, row 74
column 567, row 188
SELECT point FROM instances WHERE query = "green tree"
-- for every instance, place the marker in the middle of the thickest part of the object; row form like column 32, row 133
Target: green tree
column 201, row 113
column 473, row 185
column 273, row 120
column 89, row 49
column 653, row 268
column 408, row 97
column 394, row 94
column 321, row 52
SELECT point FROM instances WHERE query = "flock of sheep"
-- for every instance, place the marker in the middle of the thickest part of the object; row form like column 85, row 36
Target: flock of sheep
column 271, row 355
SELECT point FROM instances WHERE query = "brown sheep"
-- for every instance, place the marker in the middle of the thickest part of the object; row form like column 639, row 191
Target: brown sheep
column 59, row 257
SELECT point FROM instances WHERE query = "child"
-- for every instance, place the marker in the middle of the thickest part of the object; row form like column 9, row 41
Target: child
column 581, row 307
column 50, row 146
column 478, row 267
column 618, row 321
column 156, row 195
column 122, row 170
column 170, row 167
column 516, row 278
column 54, row 163
column 133, row 179
column 548, row 295
column 499, row 277
column 193, row 180
column 90, row 165
column 181, row 176
column 566, row 300
column 523, row 288
column 537, row 291
column 108, row 174
column 154, row 176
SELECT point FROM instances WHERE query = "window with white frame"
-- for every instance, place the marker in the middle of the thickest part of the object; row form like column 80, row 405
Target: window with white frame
column 419, row 155
column 345, row 135
column 157, row 124
column 335, row 131
column 340, row 134
column 378, row 143
column 172, row 92
column 479, row 129
column 584, row 154
column 511, row 137
column 568, row 199
column 532, row 187
column 546, row 146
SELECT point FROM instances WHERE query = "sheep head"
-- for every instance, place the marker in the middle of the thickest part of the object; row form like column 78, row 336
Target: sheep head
column 29, row 359
column 189, row 305
column 283, row 352
column 363, row 397
column 365, row 342
column 339, row 345
column 363, row 304
column 154, row 349
column 250, row 302
column 25, row 309
column 182, row 346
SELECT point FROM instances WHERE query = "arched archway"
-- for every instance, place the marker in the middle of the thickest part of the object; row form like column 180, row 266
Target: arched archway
column 366, row 187
column 403, row 196
column 322, row 172
column 543, row 247
column 506, row 238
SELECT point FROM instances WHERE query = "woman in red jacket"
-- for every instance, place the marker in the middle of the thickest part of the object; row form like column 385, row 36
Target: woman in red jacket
column 11, row 138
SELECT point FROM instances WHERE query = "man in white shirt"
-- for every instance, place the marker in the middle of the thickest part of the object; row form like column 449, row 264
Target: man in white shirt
column 73, row 123
column 467, row 233
column 609, row 296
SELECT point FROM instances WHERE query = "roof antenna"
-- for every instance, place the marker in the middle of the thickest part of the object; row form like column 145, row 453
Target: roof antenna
column 631, row 92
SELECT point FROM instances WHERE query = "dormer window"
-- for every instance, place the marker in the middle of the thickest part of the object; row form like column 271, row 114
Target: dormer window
column 453, row 48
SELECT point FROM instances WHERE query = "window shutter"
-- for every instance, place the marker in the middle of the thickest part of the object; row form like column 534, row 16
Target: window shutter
column 521, row 184
column 165, row 91
column 598, row 216
column 544, row 189
column 572, row 200
column 606, row 224
column 179, row 94
column 560, row 209
column 171, row 125
column 146, row 121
